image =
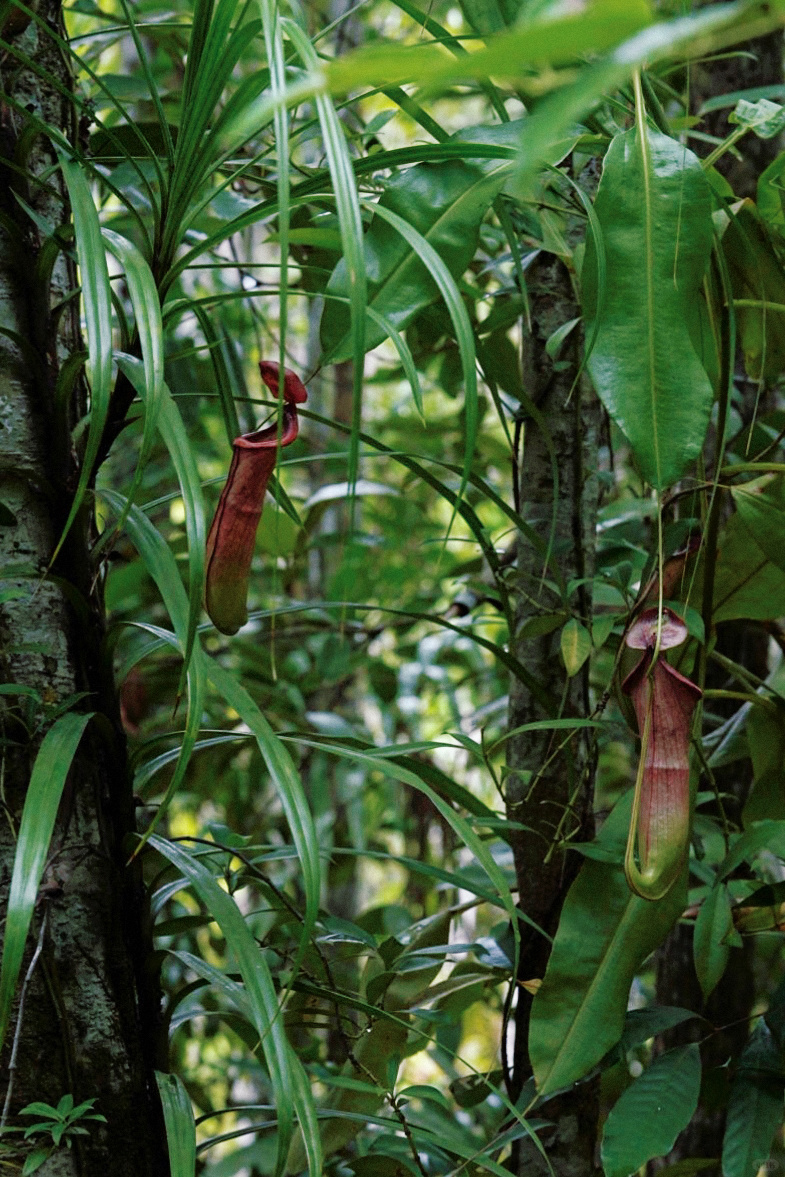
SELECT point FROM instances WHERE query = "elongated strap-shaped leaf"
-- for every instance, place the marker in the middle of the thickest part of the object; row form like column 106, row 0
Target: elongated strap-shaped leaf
column 654, row 208
column 347, row 204
column 460, row 320
column 35, row 833
column 180, row 1127
column 175, row 437
column 604, row 935
column 287, row 782
column 160, row 563
column 147, row 312
column 291, row 1094
column 97, row 302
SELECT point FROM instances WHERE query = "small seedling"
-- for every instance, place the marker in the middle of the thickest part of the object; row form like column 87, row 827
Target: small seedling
column 61, row 1123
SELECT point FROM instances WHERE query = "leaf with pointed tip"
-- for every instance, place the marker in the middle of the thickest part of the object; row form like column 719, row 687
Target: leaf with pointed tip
column 654, row 208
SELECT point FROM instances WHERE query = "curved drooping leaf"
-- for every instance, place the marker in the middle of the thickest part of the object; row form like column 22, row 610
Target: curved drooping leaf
column 650, row 1114
column 446, row 203
column 32, row 847
column 604, row 935
column 291, row 1095
column 755, row 1106
column 654, row 207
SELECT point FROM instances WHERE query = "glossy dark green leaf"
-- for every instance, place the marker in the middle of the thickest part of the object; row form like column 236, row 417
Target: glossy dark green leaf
column 446, row 203
column 650, row 1114
column 604, row 935
column 654, row 207
column 755, row 1109
column 712, row 927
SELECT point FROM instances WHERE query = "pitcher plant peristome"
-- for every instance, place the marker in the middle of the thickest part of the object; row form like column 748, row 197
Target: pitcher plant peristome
column 663, row 700
column 230, row 542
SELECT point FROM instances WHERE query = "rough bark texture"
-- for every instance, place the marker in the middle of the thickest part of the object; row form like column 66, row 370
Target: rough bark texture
column 91, row 1006
column 552, row 797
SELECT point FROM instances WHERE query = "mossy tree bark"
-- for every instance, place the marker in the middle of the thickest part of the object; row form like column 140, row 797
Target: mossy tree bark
column 550, row 791
column 90, row 1008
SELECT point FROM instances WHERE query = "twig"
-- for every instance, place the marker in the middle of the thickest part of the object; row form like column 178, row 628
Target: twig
column 18, row 1031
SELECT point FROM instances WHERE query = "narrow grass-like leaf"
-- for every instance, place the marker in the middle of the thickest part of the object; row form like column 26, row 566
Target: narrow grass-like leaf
column 97, row 302
column 461, row 827
column 273, row 41
column 290, row 1093
column 35, row 833
column 350, row 224
column 175, row 437
column 180, row 1127
column 160, row 563
column 147, row 313
column 287, row 783
column 460, row 320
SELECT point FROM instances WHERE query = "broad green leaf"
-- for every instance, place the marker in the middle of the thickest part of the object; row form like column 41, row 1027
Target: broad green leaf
column 288, row 1093
column 746, row 583
column 755, row 1105
column 650, row 1114
column 445, row 203
column 771, row 196
column 712, row 926
column 97, row 302
column 765, row 733
column 757, row 280
column 654, row 208
column 575, row 645
column 765, row 118
column 32, row 847
column 604, row 935
column 761, row 507
column 180, row 1127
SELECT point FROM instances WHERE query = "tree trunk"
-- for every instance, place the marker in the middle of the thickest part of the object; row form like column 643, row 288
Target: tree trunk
column 552, row 797
column 90, row 1003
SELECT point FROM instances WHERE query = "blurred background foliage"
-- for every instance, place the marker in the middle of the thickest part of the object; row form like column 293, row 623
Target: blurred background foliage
column 379, row 640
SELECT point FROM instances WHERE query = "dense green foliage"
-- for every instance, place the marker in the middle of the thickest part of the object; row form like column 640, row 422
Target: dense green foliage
column 325, row 842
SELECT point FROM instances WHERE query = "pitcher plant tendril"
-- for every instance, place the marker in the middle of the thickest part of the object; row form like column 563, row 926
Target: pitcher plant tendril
column 230, row 542
column 664, row 701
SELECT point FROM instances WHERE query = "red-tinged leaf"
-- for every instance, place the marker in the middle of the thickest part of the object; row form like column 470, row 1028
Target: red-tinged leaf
column 230, row 542
column 664, row 701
